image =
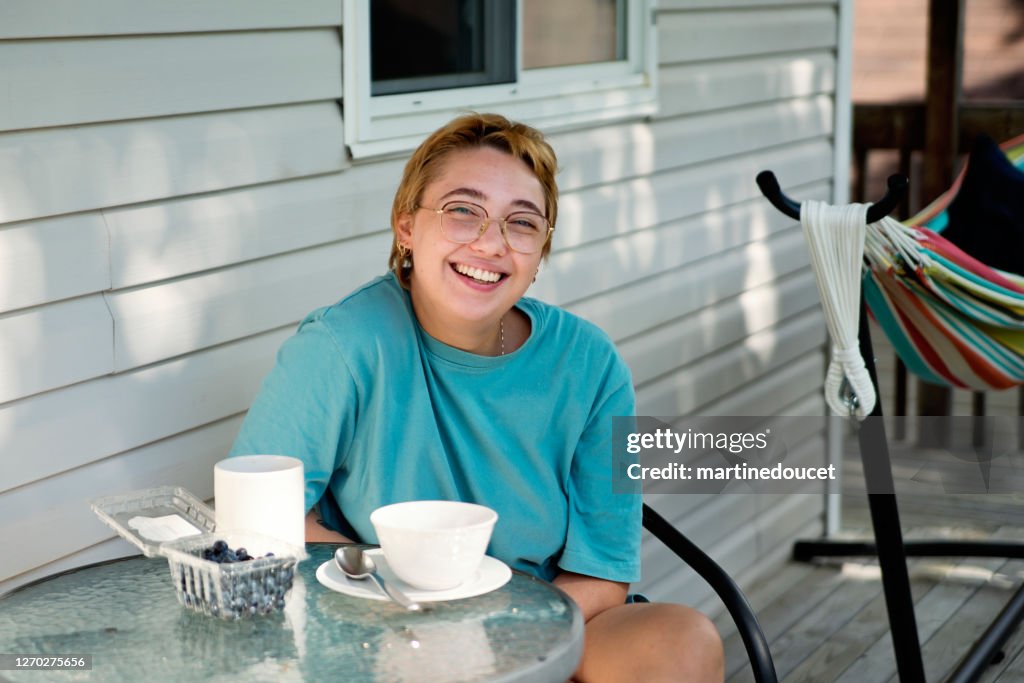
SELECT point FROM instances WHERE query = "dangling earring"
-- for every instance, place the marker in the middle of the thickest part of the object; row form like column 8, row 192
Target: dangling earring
column 403, row 252
column 535, row 274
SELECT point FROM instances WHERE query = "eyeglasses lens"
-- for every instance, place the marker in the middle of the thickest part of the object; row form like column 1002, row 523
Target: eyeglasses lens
column 525, row 231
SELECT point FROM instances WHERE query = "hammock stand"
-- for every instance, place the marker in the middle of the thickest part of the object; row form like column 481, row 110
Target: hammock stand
column 889, row 547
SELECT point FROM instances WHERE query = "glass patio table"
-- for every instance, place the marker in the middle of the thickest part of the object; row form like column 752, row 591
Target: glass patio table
column 124, row 615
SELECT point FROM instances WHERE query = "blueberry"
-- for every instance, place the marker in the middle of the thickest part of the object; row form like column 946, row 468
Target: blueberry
column 220, row 546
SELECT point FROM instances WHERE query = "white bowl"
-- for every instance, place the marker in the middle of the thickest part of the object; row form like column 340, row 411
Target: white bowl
column 434, row 544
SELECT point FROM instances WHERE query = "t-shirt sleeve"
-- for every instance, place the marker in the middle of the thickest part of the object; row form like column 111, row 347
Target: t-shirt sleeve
column 603, row 538
column 305, row 407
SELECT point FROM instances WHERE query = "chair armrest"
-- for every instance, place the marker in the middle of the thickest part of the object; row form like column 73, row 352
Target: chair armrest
column 728, row 591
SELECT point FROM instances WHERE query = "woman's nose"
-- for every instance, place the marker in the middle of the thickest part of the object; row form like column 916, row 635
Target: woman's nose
column 491, row 240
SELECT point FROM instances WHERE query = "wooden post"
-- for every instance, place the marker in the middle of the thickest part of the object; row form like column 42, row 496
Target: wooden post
column 942, row 95
column 942, row 132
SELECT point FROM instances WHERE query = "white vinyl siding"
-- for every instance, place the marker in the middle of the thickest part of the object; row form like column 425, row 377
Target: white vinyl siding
column 48, row 18
column 730, row 322
column 175, row 196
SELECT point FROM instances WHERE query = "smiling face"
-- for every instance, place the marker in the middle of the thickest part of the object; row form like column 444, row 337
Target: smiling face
column 461, row 291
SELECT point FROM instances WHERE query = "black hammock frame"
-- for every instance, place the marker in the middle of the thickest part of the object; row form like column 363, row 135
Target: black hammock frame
column 890, row 548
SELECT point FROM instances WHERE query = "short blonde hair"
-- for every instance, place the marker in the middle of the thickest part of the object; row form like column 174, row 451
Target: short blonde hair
column 467, row 132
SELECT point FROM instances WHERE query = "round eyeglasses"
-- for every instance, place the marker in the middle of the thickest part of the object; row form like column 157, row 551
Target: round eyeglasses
column 463, row 222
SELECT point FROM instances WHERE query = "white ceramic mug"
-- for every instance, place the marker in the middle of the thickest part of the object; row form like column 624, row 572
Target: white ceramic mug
column 261, row 493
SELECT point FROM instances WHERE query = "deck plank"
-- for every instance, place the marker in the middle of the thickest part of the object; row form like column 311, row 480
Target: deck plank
column 823, row 620
column 781, row 613
column 938, row 606
column 1011, row 669
column 996, row 579
column 767, row 592
column 827, row 623
column 849, row 649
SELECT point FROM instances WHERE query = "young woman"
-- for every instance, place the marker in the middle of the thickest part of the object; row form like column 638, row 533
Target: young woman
column 440, row 380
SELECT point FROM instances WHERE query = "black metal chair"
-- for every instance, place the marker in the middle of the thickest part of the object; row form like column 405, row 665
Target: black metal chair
column 726, row 589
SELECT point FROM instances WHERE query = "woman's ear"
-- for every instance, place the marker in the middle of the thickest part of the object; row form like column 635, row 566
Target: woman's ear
column 403, row 226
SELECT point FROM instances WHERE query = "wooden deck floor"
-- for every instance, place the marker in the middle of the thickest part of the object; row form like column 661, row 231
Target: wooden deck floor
column 827, row 621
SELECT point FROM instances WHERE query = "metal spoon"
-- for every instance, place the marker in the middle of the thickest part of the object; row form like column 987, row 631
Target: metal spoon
column 358, row 565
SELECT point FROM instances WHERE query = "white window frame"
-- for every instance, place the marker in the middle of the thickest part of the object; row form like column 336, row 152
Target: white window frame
column 551, row 98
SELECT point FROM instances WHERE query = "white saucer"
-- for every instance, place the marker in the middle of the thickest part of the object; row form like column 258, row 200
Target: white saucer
column 491, row 575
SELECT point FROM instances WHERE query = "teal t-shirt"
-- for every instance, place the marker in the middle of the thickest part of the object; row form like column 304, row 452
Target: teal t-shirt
column 380, row 412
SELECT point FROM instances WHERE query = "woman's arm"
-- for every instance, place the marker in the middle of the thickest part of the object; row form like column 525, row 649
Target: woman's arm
column 590, row 594
column 317, row 532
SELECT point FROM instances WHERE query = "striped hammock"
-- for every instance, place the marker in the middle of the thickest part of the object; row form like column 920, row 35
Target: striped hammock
column 953, row 320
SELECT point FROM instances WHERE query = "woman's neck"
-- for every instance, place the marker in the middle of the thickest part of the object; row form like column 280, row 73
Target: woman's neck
column 484, row 338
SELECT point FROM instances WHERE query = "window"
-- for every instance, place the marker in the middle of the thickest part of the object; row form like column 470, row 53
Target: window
column 444, row 44
column 411, row 65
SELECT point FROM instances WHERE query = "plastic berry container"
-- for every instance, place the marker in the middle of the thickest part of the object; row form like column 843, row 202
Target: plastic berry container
column 149, row 517
column 169, row 521
column 232, row 590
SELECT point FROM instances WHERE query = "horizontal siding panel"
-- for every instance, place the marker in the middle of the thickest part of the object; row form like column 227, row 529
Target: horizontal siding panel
column 579, row 273
column 54, row 432
column 184, row 315
column 714, row 513
column 796, row 433
column 684, row 391
column 790, row 514
column 157, row 241
column 30, row 514
column 51, row 259
column 674, row 5
column 667, row 578
column 596, row 213
column 602, row 156
column 646, row 303
column 573, row 275
column 664, row 496
column 696, row 88
column 708, row 35
column 783, row 387
column 714, row 516
column 740, row 557
column 687, row 339
column 37, row 18
column 736, row 552
column 76, row 81
column 48, row 347
column 63, row 170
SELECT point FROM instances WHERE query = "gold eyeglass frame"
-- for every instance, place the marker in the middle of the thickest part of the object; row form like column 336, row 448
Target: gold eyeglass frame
column 502, row 226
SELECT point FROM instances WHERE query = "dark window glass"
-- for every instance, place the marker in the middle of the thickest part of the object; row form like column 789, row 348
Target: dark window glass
column 419, row 45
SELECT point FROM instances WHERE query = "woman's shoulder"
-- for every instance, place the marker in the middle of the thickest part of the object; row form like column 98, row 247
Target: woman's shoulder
column 375, row 310
column 563, row 333
column 370, row 305
column 558, row 324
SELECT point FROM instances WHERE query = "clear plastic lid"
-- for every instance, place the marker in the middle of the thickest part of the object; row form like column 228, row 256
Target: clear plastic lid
column 151, row 517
